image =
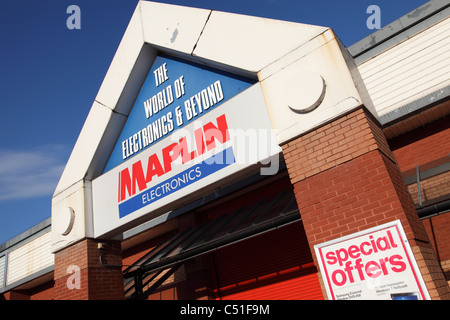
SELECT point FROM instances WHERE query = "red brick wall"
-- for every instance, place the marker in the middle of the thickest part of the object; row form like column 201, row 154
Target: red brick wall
column 431, row 188
column 422, row 145
column 428, row 147
column 346, row 179
column 131, row 255
column 438, row 228
column 16, row 295
column 42, row 292
column 332, row 144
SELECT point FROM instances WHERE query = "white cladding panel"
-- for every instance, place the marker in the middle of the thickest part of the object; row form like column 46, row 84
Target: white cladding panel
column 2, row 270
column 410, row 70
column 30, row 258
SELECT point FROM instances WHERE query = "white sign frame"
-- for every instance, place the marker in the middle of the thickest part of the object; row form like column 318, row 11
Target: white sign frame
column 243, row 133
column 410, row 284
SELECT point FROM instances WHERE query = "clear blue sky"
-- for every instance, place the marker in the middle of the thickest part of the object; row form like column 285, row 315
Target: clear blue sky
column 50, row 75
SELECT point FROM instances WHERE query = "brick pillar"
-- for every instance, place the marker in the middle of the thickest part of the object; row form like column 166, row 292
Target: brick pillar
column 80, row 274
column 346, row 180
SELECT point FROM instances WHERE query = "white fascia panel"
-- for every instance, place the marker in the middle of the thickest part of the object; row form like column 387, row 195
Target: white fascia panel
column 283, row 85
column 78, row 198
column 122, row 63
column 172, row 27
column 250, row 43
column 29, row 259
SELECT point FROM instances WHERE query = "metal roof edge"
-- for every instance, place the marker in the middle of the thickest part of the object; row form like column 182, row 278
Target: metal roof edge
column 27, row 279
column 414, row 106
column 27, row 235
column 408, row 21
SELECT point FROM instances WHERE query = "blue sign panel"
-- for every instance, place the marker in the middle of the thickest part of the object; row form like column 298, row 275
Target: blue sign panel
column 175, row 93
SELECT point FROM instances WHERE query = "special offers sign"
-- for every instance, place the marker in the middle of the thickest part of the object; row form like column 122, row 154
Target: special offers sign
column 375, row 264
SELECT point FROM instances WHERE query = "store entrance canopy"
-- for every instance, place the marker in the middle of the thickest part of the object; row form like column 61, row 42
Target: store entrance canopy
column 148, row 273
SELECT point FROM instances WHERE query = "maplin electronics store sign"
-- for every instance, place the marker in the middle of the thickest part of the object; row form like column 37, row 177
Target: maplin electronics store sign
column 180, row 136
column 375, row 264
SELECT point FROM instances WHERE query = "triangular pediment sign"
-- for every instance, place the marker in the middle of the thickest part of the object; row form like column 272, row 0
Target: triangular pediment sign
column 182, row 48
column 175, row 93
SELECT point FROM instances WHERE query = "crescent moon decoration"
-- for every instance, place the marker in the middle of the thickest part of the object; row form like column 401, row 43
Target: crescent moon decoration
column 313, row 89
